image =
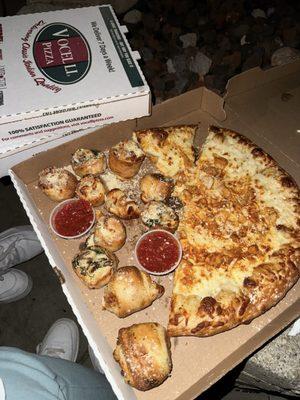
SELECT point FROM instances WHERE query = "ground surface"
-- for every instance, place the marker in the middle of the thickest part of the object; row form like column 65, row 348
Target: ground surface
column 184, row 44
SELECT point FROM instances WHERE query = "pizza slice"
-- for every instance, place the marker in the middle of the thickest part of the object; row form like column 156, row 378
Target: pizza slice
column 240, row 233
column 169, row 148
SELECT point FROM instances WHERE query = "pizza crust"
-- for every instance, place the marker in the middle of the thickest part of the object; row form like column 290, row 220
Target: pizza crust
column 193, row 315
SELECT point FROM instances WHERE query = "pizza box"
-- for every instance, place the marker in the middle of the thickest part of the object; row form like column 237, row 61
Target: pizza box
column 262, row 105
column 65, row 71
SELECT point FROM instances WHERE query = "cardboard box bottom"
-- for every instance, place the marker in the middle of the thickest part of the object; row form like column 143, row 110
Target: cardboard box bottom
column 197, row 362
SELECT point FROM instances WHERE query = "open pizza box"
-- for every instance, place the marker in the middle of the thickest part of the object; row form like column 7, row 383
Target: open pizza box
column 264, row 106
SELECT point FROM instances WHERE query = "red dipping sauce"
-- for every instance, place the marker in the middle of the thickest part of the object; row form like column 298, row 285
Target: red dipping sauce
column 158, row 252
column 73, row 218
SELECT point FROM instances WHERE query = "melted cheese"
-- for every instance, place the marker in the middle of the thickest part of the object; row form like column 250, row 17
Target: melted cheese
column 212, row 284
column 128, row 148
column 157, row 213
column 94, row 185
column 55, row 176
column 172, row 155
column 232, row 210
column 242, row 163
column 110, row 228
column 83, row 155
column 111, row 181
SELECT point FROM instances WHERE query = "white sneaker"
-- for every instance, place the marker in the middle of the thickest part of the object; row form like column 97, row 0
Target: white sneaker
column 61, row 340
column 94, row 360
column 18, row 245
column 14, row 285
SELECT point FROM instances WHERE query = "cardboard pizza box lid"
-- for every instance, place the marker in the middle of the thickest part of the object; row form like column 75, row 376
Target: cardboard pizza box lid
column 197, row 362
column 63, row 71
column 268, row 102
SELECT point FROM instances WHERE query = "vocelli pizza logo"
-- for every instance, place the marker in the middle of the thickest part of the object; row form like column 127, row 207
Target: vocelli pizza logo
column 62, row 53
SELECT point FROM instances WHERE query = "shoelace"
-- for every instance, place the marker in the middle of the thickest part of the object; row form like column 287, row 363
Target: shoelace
column 54, row 352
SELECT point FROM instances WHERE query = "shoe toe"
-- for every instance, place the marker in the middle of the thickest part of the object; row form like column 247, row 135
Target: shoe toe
column 64, row 335
column 15, row 285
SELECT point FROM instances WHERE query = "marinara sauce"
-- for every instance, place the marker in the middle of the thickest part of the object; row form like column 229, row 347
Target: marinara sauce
column 158, row 251
column 73, row 218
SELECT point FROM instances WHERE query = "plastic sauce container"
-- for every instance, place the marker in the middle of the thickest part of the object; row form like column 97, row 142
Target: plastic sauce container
column 72, row 218
column 158, row 252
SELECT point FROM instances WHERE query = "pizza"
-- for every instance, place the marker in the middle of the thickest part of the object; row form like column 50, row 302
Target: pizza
column 240, row 237
column 170, row 149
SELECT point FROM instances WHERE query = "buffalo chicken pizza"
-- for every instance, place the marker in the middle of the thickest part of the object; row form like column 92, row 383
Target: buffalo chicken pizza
column 240, row 236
